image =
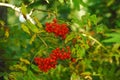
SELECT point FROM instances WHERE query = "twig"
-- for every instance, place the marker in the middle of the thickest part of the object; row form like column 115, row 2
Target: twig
column 43, row 41
column 43, row 10
column 37, row 53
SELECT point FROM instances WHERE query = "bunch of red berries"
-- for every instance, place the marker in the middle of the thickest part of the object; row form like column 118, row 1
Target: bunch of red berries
column 58, row 54
column 56, row 28
column 46, row 64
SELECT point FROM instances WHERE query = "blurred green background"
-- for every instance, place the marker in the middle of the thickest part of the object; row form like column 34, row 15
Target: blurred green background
column 76, row 13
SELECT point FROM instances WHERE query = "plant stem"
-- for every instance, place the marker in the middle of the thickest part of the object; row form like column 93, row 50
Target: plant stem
column 95, row 41
column 43, row 41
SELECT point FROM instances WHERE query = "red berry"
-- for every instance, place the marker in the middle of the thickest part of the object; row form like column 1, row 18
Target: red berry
column 58, row 29
column 73, row 59
column 55, row 20
column 45, row 64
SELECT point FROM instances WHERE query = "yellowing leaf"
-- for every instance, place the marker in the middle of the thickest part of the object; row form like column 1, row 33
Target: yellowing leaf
column 38, row 23
column 24, row 61
column 23, row 9
column 85, row 74
column 89, row 23
column 7, row 33
column 32, row 39
column 32, row 27
column 2, row 23
column 25, row 28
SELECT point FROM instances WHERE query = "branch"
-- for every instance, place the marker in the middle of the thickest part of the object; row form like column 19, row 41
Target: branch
column 10, row 6
column 18, row 9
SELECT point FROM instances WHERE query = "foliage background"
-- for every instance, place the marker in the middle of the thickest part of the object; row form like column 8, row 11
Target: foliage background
column 94, row 40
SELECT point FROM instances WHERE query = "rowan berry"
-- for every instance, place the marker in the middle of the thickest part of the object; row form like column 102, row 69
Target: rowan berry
column 58, row 29
column 45, row 64
column 73, row 59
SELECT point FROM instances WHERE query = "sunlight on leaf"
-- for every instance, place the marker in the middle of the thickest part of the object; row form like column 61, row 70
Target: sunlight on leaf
column 24, row 61
column 32, row 27
column 47, row 1
column 74, row 76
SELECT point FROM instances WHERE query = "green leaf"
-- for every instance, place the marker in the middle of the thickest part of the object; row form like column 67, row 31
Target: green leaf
column 76, row 4
column 74, row 76
column 35, row 68
column 32, row 39
column 113, row 37
column 69, row 37
column 23, row 9
column 80, row 52
column 38, row 23
column 32, row 27
column 31, row 76
column 101, row 28
column 83, row 3
column 61, row 1
column 85, row 73
column 93, row 18
column 110, row 2
column 25, row 28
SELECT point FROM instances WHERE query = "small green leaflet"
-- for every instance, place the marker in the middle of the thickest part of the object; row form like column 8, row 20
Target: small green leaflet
column 38, row 23
column 25, row 29
column 69, row 37
column 32, row 27
column 113, row 37
column 35, row 68
column 32, row 39
column 93, row 18
column 61, row 1
column 74, row 76
column 76, row 4
column 23, row 10
column 31, row 75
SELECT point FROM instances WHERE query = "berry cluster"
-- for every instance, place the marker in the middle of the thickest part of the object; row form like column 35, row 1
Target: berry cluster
column 58, row 54
column 56, row 28
column 46, row 64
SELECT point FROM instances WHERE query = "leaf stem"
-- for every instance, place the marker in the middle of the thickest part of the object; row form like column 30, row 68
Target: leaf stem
column 95, row 41
column 43, row 41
